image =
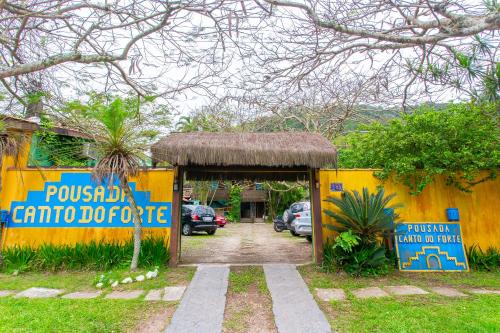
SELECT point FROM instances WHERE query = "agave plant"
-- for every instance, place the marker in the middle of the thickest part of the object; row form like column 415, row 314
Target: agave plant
column 364, row 214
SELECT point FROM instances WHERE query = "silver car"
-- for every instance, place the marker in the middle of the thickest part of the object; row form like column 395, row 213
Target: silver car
column 301, row 224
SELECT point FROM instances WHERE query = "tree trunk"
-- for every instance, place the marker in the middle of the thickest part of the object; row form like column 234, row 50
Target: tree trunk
column 137, row 223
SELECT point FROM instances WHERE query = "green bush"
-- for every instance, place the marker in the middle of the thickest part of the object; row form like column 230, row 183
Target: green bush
column 456, row 142
column 355, row 258
column 235, row 202
column 483, row 261
column 363, row 214
column 91, row 256
column 361, row 222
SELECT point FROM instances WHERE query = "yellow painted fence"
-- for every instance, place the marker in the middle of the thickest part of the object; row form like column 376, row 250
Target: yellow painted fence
column 479, row 210
column 64, row 206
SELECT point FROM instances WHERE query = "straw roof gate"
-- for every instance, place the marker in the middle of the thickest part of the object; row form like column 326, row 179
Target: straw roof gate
column 251, row 156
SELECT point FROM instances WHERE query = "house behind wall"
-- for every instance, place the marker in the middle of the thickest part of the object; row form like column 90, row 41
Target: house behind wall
column 253, row 201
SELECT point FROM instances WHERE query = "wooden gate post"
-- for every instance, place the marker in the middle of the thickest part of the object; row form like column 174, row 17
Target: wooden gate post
column 316, row 215
column 175, row 231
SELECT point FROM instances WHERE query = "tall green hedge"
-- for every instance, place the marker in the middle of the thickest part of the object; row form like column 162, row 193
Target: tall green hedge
column 457, row 142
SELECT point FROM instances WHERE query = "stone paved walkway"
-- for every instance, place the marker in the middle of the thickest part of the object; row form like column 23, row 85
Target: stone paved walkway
column 167, row 294
column 331, row 294
column 294, row 308
column 202, row 307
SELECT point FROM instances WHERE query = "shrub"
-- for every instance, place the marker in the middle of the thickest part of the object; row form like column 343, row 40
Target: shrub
column 361, row 224
column 483, row 261
column 353, row 257
column 235, row 202
column 92, row 256
column 363, row 214
column 456, row 142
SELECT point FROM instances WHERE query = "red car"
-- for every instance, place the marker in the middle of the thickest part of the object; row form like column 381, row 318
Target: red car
column 221, row 221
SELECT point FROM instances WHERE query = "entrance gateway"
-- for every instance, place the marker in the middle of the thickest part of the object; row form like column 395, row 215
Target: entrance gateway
column 279, row 156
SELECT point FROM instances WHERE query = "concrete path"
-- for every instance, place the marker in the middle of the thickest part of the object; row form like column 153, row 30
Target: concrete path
column 202, row 308
column 294, row 308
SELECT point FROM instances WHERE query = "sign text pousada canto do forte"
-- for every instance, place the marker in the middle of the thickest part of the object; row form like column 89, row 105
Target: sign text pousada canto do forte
column 429, row 246
column 76, row 201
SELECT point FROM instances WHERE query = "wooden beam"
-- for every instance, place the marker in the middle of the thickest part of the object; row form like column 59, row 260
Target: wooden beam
column 257, row 173
column 175, row 235
column 316, row 216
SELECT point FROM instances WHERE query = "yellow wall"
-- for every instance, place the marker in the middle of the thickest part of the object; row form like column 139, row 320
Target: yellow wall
column 479, row 210
column 17, row 183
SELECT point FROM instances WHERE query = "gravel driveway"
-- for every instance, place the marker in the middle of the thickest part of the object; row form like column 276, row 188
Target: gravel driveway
column 245, row 243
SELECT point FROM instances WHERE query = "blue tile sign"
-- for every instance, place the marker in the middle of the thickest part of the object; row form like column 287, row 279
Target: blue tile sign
column 76, row 201
column 430, row 247
column 336, row 187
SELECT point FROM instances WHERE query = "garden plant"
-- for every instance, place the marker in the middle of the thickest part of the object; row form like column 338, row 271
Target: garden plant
column 362, row 222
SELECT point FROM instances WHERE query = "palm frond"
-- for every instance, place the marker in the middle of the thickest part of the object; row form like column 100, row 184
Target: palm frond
column 363, row 213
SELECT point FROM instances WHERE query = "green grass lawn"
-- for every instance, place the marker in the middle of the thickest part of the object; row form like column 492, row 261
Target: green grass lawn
column 93, row 315
column 84, row 280
column 248, row 302
column 422, row 313
column 427, row 313
column 61, row 315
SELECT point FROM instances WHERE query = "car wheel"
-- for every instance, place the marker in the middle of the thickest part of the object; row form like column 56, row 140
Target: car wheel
column 187, row 230
column 309, row 238
column 294, row 233
column 277, row 228
column 211, row 232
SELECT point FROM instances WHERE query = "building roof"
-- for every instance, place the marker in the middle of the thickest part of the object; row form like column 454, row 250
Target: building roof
column 277, row 149
column 27, row 125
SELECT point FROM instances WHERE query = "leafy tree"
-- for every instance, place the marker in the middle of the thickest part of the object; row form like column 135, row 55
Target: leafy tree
column 282, row 195
column 457, row 142
column 235, row 202
column 51, row 149
column 120, row 148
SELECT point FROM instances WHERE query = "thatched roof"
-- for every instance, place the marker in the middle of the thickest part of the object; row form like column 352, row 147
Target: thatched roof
column 281, row 149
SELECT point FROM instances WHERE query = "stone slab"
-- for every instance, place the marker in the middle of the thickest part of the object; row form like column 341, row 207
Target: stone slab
column 173, row 293
column 202, row 307
column 484, row 291
column 153, row 295
column 448, row 291
column 40, row 293
column 4, row 293
column 369, row 292
column 405, row 290
column 83, row 294
column 294, row 308
column 330, row 294
column 129, row 294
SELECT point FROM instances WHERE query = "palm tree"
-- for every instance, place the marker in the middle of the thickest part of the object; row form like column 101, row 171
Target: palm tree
column 186, row 124
column 120, row 150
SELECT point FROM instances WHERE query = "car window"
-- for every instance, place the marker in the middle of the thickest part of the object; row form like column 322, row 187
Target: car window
column 186, row 209
column 295, row 208
column 300, row 207
column 203, row 210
